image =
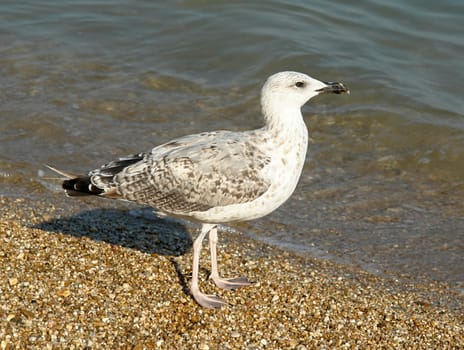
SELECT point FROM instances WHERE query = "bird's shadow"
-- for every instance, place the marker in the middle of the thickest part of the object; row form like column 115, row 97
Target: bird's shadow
column 135, row 229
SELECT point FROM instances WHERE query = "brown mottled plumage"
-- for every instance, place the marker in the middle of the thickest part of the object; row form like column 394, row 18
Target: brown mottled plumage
column 182, row 176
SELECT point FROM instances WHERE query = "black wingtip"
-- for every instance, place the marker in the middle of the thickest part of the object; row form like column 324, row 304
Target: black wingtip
column 81, row 186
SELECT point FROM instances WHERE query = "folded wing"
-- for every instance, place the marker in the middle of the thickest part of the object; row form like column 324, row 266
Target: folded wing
column 193, row 173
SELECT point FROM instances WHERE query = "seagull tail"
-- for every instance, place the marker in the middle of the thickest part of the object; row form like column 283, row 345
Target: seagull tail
column 77, row 185
column 81, row 186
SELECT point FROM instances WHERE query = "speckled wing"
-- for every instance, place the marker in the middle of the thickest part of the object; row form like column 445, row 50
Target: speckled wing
column 193, row 173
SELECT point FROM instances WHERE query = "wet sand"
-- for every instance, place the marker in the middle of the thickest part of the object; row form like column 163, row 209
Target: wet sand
column 91, row 278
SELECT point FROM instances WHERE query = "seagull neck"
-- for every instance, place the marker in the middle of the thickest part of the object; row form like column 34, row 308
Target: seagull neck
column 283, row 120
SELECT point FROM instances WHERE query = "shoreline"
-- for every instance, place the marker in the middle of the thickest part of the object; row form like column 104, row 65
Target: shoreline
column 95, row 278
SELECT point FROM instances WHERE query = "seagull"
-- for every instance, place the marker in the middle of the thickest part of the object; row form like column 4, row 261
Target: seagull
column 218, row 177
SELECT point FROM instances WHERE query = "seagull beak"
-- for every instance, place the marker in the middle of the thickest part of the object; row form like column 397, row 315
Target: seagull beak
column 335, row 88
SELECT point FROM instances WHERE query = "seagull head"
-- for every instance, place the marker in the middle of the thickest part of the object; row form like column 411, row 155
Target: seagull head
column 295, row 89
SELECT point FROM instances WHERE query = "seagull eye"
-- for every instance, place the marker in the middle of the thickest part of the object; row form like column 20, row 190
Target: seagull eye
column 300, row 84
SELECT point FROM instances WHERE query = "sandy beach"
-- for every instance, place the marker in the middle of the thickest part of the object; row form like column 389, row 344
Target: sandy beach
column 91, row 278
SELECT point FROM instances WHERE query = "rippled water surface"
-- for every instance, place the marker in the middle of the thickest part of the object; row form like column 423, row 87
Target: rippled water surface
column 83, row 82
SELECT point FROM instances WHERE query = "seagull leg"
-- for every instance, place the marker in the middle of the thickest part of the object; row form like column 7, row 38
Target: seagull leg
column 205, row 300
column 224, row 283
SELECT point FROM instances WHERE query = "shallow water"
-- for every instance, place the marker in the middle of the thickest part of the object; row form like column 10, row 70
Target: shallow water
column 84, row 82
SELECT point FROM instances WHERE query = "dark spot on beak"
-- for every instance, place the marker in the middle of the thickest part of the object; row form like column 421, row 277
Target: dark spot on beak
column 334, row 88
